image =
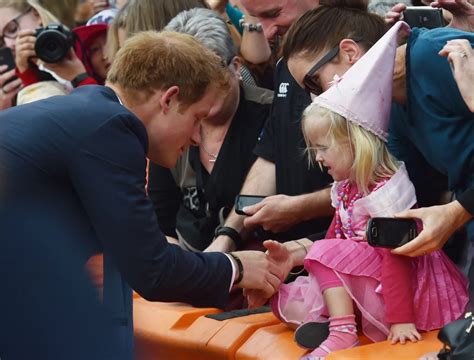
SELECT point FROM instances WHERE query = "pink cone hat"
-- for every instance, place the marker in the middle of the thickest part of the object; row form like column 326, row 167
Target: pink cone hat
column 363, row 94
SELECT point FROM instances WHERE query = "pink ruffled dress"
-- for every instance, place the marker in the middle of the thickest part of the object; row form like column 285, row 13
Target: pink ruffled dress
column 440, row 290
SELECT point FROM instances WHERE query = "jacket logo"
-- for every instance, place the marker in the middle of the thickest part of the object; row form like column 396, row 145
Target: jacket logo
column 283, row 89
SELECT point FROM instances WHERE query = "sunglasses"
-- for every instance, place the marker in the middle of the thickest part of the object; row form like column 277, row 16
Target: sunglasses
column 11, row 29
column 311, row 82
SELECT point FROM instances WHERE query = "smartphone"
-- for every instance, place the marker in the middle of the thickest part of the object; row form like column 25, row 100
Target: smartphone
column 423, row 17
column 6, row 58
column 390, row 232
column 242, row 201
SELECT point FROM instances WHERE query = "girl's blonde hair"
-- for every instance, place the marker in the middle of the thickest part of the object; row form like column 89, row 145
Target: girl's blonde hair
column 371, row 160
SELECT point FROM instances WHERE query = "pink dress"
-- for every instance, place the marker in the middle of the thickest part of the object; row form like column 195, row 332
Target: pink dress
column 440, row 290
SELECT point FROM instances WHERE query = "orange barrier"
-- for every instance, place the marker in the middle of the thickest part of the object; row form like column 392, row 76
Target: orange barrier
column 177, row 331
column 383, row 350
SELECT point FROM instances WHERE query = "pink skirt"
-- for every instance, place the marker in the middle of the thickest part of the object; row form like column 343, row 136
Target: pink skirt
column 440, row 289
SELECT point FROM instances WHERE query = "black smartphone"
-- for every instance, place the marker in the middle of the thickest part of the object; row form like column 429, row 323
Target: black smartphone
column 423, row 17
column 242, row 201
column 390, row 232
column 6, row 58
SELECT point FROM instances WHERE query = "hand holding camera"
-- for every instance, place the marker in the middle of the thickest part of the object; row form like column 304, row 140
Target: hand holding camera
column 69, row 67
column 25, row 49
column 51, row 44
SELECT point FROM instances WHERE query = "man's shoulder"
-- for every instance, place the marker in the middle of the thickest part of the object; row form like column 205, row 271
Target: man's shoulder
column 257, row 94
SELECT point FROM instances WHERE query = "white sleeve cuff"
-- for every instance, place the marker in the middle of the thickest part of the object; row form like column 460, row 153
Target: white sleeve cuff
column 234, row 271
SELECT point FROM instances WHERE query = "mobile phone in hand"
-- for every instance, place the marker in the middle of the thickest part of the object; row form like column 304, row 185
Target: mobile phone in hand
column 390, row 232
column 423, row 17
column 242, row 201
column 6, row 58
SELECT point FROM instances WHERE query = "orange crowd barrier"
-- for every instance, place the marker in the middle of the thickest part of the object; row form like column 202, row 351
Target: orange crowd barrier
column 177, row 331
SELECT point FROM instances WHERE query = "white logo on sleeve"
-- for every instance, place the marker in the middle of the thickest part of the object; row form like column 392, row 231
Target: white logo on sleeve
column 283, row 89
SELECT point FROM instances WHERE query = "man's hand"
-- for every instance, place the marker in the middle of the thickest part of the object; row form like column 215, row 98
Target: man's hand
column 69, row 67
column 24, row 49
column 461, row 57
column 395, row 13
column 439, row 223
column 275, row 213
column 403, row 332
column 260, row 272
column 278, row 253
column 8, row 87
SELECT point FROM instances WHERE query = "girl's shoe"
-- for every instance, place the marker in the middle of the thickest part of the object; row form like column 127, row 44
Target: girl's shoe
column 311, row 334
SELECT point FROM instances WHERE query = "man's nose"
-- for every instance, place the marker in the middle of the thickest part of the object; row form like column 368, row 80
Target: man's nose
column 269, row 29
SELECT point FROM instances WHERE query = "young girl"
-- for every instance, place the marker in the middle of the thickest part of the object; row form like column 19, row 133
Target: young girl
column 346, row 130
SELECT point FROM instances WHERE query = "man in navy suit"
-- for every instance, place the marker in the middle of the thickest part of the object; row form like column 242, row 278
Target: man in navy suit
column 74, row 167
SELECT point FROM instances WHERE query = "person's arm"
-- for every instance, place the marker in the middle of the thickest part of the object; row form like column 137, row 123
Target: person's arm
column 259, row 181
column 439, row 223
column 280, row 212
column 460, row 55
column 108, row 172
column 69, row 68
column 254, row 46
column 462, row 13
column 398, row 296
column 287, row 256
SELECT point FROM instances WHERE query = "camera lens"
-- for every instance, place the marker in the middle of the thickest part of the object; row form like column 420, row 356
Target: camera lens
column 374, row 232
column 52, row 43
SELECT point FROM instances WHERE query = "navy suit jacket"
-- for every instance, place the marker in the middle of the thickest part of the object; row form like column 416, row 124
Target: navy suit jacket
column 74, row 168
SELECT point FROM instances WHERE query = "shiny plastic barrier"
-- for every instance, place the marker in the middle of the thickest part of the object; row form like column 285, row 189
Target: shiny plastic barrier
column 177, row 331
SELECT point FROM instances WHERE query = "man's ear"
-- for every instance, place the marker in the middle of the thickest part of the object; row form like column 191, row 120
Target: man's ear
column 350, row 50
column 236, row 65
column 169, row 98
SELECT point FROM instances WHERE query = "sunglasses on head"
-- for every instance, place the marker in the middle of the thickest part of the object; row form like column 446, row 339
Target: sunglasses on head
column 310, row 82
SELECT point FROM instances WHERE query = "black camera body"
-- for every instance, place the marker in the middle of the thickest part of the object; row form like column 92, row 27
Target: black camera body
column 53, row 42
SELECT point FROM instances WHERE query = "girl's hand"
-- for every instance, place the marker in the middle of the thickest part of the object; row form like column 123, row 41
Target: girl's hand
column 280, row 255
column 402, row 332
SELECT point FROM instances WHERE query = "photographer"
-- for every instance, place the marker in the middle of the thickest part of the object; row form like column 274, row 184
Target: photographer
column 14, row 17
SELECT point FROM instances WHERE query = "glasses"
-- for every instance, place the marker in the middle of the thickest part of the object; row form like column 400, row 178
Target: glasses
column 311, row 82
column 11, row 29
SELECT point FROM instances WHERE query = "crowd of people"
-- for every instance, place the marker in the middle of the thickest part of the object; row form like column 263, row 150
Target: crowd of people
column 128, row 128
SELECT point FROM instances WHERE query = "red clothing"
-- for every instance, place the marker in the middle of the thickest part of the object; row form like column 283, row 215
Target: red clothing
column 31, row 76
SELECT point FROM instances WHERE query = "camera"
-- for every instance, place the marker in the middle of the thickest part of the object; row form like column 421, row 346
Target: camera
column 53, row 42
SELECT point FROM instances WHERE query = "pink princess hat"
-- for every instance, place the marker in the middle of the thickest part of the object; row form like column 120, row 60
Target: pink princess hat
column 363, row 94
